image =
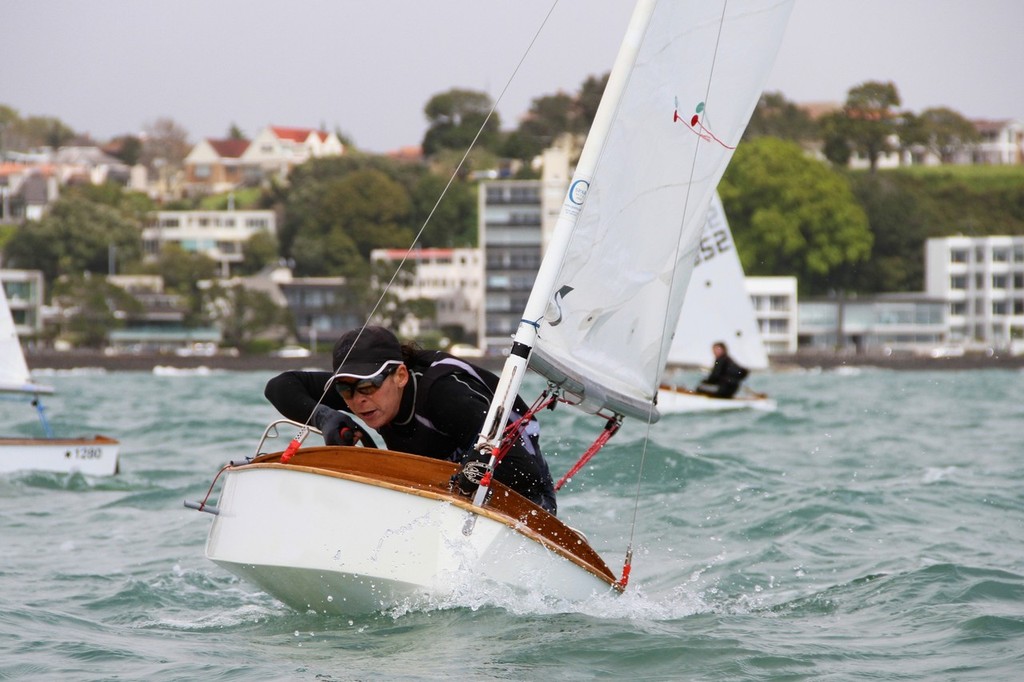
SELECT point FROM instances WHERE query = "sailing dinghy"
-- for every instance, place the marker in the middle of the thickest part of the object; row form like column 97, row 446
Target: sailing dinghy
column 717, row 308
column 350, row 530
column 94, row 456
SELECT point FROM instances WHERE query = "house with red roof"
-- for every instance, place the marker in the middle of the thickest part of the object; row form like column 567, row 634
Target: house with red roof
column 276, row 149
column 215, row 166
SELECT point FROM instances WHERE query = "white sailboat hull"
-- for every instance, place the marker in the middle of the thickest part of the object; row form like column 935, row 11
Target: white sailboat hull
column 673, row 400
column 90, row 456
column 345, row 544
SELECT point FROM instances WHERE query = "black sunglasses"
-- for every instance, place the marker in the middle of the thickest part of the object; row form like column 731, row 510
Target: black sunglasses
column 348, row 389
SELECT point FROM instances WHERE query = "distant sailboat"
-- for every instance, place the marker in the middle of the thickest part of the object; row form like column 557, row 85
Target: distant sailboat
column 96, row 455
column 717, row 308
column 350, row 529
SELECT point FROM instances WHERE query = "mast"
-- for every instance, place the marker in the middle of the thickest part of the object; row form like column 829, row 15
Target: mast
column 526, row 334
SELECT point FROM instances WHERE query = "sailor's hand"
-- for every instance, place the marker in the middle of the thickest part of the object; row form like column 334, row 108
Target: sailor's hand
column 474, row 467
column 340, row 429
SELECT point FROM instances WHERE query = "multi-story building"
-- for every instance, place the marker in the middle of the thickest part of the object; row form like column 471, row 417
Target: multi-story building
column 516, row 218
column 323, row 308
column 217, row 234
column 981, row 279
column 452, row 278
column 874, row 325
column 24, row 291
column 775, row 307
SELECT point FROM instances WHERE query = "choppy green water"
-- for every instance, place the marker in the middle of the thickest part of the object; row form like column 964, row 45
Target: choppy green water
column 871, row 528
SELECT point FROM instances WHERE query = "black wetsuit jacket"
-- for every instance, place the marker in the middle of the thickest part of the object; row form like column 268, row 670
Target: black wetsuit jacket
column 727, row 375
column 441, row 414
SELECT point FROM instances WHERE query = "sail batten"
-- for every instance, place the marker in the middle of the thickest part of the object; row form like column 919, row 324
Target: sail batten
column 698, row 72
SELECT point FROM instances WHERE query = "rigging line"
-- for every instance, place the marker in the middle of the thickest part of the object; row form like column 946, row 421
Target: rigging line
column 675, row 267
column 462, row 161
column 426, row 221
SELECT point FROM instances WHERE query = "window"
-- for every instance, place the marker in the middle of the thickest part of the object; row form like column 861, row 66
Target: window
column 998, row 307
column 979, row 254
column 957, row 308
column 958, row 282
column 999, row 281
column 958, row 256
column 1000, row 255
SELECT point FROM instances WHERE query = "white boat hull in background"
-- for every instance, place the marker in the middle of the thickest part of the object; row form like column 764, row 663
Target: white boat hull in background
column 89, row 456
column 675, row 400
column 344, row 544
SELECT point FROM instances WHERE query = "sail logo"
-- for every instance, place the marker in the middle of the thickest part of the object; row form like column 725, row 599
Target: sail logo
column 578, row 192
column 697, row 126
column 553, row 315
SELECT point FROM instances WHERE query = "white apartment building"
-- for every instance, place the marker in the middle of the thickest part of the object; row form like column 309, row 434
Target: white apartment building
column 982, row 281
column 217, row 234
column 516, row 219
column 24, row 291
column 775, row 307
column 452, row 278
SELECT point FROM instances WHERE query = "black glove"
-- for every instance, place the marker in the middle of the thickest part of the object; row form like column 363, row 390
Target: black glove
column 339, row 429
column 474, row 466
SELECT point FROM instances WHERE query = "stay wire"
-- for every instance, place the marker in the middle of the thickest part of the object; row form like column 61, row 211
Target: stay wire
column 455, row 173
column 675, row 267
column 462, row 161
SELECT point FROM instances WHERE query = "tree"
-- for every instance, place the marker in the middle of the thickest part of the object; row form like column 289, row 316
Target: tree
column 97, row 307
column 455, row 118
column 165, row 145
column 243, row 315
column 549, row 116
column 127, row 148
column 587, row 101
column 259, row 251
column 336, row 223
column 900, row 215
column 76, row 236
column 453, row 222
column 865, row 123
column 778, row 117
column 185, row 273
column 235, row 133
column 792, row 215
column 34, row 131
column 947, row 132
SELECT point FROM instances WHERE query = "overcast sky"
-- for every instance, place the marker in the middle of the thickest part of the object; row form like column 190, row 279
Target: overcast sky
column 367, row 67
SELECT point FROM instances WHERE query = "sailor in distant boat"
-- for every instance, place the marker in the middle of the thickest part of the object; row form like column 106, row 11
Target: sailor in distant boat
column 424, row 402
column 726, row 375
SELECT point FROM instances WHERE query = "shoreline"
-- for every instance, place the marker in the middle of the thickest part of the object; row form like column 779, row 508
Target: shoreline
column 66, row 360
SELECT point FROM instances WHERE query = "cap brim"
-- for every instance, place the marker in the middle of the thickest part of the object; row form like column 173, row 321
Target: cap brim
column 359, row 371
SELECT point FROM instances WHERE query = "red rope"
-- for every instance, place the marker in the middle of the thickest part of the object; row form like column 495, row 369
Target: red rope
column 609, row 430
column 515, row 429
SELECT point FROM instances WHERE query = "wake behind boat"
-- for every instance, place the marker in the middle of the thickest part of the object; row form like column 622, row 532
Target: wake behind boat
column 93, row 455
column 347, row 530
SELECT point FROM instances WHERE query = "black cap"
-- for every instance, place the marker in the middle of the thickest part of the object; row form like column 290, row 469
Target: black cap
column 363, row 353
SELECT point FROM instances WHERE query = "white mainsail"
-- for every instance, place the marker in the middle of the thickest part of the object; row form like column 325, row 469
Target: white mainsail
column 14, row 374
column 717, row 306
column 682, row 90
